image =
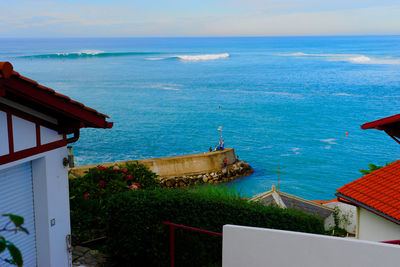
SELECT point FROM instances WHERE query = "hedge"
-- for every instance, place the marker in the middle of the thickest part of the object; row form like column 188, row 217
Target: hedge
column 90, row 193
column 137, row 237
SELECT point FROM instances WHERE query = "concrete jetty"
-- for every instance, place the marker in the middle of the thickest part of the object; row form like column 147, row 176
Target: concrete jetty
column 186, row 169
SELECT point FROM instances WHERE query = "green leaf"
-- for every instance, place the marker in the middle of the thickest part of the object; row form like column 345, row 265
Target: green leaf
column 2, row 244
column 10, row 261
column 16, row 219
column 15, row 254
column 23, row 229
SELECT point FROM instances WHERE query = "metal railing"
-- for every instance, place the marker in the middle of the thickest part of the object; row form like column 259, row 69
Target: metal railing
column 172, row 227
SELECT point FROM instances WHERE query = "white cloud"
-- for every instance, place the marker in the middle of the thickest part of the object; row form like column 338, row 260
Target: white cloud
column 205, row 18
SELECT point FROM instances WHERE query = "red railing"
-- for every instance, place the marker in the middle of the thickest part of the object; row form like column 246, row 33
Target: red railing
column 394, row 242
column 172, row 227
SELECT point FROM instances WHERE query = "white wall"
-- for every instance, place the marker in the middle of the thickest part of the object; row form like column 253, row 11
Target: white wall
column 249, row 246
column 47, row 135
column 345, row 211
column 4, row 149
column 51, row 201
column 376, row 228
column 24, row 133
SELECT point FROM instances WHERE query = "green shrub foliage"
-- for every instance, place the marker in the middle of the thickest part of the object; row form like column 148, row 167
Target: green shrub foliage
column 13, row 225
column 137, row 237
column 89, row 194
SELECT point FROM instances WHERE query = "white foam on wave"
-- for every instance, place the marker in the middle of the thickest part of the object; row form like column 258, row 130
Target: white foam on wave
column 296, row 150
column 360, row 59
column 155, row 58
column 330, row 141
column 352, row 58
column 83, row 52
column 91, row 52
column 297, row 54
column 343, row 94
column 202, row 57
column 283, row 94
column 168, row 88
column 378, row 61
column 347, row 94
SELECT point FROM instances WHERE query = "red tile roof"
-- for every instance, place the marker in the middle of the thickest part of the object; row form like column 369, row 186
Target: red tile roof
column 23, row 88
column 378, row 192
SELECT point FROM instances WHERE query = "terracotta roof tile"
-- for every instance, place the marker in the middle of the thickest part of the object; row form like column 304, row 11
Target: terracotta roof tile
column 45, row 88
column 379, row 190
column 28, row 80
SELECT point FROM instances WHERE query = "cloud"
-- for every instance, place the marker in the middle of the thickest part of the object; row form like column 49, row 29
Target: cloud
column 197, row 18
column 383, row 20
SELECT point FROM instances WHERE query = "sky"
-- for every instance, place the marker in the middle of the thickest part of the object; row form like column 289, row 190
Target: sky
column 159, row 18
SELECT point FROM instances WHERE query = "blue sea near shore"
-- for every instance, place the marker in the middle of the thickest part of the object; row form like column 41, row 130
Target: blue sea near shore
column 284, row 102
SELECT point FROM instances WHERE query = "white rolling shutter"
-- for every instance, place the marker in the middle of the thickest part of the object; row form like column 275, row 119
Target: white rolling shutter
column 16, row 196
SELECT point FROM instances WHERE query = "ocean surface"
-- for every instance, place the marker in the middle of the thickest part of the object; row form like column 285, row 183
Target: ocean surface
column 282, row 102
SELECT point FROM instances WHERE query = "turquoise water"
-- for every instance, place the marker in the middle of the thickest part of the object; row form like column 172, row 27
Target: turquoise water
column 284, row 102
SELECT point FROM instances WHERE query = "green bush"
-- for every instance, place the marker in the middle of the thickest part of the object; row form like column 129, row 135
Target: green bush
column 89, row 194
column 216, row 190
column 136, row 235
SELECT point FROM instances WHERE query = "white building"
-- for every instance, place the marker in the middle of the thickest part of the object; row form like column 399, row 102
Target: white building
column 35, row 128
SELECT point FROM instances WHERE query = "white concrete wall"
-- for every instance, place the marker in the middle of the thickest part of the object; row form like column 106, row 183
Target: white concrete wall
column 24, row 133
column 4, row 149
column 51, row 201
column 249, row 246
column 345, row 211
column 376, row 228
column 48, row 136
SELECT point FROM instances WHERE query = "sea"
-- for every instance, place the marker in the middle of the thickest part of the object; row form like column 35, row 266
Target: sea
column 285, row 104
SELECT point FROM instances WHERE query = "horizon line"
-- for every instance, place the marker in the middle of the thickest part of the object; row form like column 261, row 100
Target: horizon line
column 199, row 36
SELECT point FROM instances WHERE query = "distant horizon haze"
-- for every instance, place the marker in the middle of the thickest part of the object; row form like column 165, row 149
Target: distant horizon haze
column 208, row 18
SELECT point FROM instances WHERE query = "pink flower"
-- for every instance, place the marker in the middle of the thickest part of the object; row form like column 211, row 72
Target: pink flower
column 133, row 187
column 129, row 177
column 101, row 168
column 87, row 195
column 102, row 184
column 124, row 170
column 137, row 185
column 115, row 168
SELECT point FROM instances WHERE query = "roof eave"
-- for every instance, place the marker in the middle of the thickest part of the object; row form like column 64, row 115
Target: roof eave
column 380, row 124
column 362, row 205
column 27, row 90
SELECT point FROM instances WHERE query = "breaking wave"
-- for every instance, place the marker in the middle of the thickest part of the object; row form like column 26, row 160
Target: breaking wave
column 202, row 57
column 89, row 54
column 352, row 58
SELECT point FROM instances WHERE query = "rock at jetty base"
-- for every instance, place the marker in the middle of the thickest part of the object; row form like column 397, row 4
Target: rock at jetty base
column 231, row 172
